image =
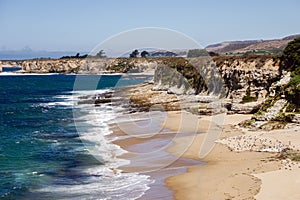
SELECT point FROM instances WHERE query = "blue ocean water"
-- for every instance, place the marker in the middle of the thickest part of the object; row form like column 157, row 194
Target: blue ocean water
column 42, row 156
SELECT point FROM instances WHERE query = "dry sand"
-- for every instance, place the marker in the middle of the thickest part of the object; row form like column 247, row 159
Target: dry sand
column 280, row 184
column 234, row 175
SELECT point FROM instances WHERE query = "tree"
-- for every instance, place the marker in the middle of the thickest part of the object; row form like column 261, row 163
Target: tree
column 291, row 56
column 77, row 55
column 134, row 54
column 144, row 54
column 211, row 53
column 101, row 54
column 290, row 61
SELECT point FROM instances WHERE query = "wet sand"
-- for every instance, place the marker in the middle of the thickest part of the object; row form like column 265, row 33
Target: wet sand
column 148, row 153
column 171, row 156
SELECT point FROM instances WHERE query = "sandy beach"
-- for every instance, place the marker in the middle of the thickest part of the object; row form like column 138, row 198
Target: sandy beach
column 232, row 173
column 231, row 170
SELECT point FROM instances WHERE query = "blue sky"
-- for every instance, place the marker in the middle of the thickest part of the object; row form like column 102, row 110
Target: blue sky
column 66, row 25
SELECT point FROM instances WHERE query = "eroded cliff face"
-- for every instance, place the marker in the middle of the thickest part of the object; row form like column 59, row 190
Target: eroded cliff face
column 222, row 76
column 88, row 65
column 9, row 63
column 221, row 84
column 118, row 65
column 52, row 66
column 248, row 76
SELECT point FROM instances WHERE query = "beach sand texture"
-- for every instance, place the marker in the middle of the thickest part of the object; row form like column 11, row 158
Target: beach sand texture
column 230, row 171
column 239, row 174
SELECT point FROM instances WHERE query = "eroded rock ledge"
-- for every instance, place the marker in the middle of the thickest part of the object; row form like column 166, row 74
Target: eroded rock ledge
column 87, row 65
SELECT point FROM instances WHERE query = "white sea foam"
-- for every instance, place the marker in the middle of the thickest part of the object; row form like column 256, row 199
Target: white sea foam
column 72, row 98
column 103, row 184
column 105, row 181
column 64, row 103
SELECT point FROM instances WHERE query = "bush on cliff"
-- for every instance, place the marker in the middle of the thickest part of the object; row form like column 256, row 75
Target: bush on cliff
column 248, row 99
column 291, row 62
column 291, row 56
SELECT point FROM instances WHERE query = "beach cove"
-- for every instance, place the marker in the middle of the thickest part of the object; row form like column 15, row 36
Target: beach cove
column 236, row 168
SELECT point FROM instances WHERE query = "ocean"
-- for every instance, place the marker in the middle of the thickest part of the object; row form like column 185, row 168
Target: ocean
column 53, row 148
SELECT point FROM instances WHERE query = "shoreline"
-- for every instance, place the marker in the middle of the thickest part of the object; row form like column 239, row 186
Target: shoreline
column 158, row 165
column 178, row 125
column 234, row 169
column 223, row 174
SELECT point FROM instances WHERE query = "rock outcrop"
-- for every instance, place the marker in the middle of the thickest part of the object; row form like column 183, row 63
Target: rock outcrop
column 85, row 65
column 248, row 76
column 52, row 66
column 207, row 86
column 9, row 63
column 228, row 77
column 245, row 85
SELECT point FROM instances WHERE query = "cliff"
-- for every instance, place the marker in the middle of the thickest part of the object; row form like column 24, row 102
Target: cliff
column 86, row 66
column 251, row 85
column 230, row 77
column 222, row 84
column 51, row 66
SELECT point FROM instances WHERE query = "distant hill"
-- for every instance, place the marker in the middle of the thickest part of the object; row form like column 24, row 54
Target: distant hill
column 272, row 46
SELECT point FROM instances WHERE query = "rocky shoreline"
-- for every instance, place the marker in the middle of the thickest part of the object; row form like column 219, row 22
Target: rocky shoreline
column 202, row 85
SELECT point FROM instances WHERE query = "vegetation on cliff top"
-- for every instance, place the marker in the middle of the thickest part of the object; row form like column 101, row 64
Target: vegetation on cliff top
column 291, row 62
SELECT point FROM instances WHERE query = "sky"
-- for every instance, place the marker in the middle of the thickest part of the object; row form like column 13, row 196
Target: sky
column 65, row 25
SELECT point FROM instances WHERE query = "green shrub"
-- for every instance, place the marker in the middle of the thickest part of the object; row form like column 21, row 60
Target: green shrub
column 283, row 117
column 291, row 154
column 295, row 80
column 291, row 56
column 247, row 99
column 267, row 104
column 296, row 157
column 248, row 123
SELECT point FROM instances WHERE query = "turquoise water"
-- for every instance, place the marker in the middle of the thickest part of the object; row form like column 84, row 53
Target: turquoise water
column 42, row 156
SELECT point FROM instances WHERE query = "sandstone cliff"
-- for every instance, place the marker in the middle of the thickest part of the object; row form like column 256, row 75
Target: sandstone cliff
column 222, row 84
column 86, row 66
column 230, row 77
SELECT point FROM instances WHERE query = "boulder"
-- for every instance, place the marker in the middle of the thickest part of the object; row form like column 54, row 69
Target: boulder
column 246, row 108
column 296, row 119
